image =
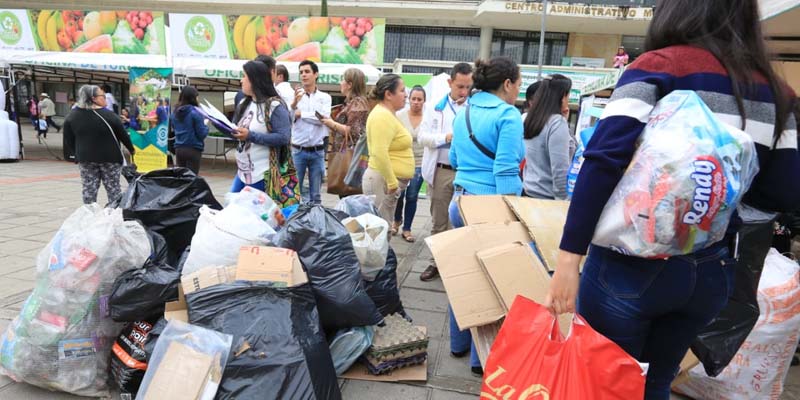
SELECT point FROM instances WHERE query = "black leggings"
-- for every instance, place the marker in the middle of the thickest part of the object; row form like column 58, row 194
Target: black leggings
column 188, row 157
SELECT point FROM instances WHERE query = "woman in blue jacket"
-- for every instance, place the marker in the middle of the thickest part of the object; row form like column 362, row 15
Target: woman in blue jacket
column 486, row 151
column 190, row 131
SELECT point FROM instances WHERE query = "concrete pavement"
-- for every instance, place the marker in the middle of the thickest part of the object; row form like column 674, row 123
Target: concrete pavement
column 38, row 193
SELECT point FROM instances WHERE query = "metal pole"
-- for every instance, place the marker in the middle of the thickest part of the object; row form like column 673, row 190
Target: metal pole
column 541, row 38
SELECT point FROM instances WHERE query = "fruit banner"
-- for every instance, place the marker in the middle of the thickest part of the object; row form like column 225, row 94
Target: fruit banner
column 85, row 31
column 150, row 92
column 340, row 40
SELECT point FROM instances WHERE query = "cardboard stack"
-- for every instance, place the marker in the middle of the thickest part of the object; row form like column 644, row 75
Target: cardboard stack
column 513, row 246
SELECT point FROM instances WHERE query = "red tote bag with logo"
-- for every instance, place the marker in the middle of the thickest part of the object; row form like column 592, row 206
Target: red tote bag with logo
column 530, row 359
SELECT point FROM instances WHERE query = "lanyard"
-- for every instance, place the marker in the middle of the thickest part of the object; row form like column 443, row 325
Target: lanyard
column 449, row 103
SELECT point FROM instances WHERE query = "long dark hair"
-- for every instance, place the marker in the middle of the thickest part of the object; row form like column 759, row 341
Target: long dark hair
column 386, row 83
column 262, row 86
column 731, row 31
column 545, row 103
column 188, row 97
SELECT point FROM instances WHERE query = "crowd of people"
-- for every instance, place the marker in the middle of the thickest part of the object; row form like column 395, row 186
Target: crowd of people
column 474, row 141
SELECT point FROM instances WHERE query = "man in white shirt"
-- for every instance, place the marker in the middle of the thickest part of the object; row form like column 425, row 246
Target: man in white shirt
column 47, row 109
column 110, row 101
column 435, row 135
column 310, row 106
column 282, row 85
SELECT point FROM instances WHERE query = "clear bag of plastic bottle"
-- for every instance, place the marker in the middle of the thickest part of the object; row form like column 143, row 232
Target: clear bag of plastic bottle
column 688, row 174
column 63, row 336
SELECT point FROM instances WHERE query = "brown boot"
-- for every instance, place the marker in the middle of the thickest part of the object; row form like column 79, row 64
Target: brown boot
column 429, row 274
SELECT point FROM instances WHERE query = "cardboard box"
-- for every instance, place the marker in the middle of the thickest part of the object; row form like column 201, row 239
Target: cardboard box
column 177, row 309
column 471, row 295
column 207, row 277
column 271, row 264
column 485, row 210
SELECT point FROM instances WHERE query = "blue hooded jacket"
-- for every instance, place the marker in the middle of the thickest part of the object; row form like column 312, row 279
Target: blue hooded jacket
column 190, row 131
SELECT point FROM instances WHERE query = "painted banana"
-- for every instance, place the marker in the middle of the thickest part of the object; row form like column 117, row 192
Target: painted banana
column 52, row 32
column 238, row 32
column 249, row 42
column 41, row 27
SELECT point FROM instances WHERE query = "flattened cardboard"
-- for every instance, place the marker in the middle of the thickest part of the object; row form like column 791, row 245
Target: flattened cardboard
column 483, row 337
column 545, row 222
column 689, row 361
column 417, row 373
column 271, row 264
column 471, row 295
column 514, row 269
column 485, row 210
column 184, row 365
column 207, row 277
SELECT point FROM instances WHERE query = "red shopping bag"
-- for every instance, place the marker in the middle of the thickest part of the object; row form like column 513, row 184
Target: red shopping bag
column 530, row 359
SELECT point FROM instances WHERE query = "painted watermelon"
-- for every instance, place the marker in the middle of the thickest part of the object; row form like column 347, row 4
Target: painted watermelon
column 309, row 51
column 100, row 44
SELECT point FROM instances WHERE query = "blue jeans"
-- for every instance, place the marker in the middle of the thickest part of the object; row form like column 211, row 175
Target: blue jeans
column 238, row 185
column 460, row 341
column 314, row 163
column 409, row 197
column 654, row 309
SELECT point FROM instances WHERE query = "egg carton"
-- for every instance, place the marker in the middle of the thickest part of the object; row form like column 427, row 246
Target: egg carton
column 386, row 367
column 397, row 335
column 376, row 359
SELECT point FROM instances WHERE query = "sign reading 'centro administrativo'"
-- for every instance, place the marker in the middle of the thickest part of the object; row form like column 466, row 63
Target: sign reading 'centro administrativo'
column 581, row 10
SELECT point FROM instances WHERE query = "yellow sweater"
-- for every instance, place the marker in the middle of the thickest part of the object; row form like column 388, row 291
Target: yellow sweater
column 389, row 145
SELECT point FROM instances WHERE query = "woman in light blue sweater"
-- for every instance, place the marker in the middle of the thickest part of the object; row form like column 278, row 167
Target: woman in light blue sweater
column 549, row 147
column 486, row 152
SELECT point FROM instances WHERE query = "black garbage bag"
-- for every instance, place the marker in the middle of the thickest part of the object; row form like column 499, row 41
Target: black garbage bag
column 168, row 201
column 326, row 252
column 279, row 349
column 131, row 353
column 383, row 290
column 139, row 294
column 717, row 344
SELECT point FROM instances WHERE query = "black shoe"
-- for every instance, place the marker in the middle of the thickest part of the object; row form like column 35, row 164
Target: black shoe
column 459, row 354
column 795, row 361
column 477, row 372
column 58, row 129
column 429, row 274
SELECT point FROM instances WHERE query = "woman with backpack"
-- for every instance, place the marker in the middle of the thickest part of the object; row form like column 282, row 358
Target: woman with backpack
column 263, row 126
column 190, row 131
column 654, row 308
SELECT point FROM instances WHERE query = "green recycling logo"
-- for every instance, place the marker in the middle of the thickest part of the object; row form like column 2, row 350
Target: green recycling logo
column 10, row 28
column 199, row 34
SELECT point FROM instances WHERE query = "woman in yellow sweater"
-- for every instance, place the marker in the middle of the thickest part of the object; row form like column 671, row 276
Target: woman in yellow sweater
column 391, row 160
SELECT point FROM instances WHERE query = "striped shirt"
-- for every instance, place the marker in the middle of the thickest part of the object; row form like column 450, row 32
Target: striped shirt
column 652, row 76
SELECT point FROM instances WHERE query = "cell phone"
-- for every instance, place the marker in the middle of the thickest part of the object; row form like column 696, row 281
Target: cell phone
column 319, row 116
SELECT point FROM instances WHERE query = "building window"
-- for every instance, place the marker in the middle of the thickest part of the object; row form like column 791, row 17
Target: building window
column 634, row 46
column 523, row 46
column 431, row 43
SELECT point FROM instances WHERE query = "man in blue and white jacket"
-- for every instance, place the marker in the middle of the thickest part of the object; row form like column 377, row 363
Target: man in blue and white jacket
column 435, row 134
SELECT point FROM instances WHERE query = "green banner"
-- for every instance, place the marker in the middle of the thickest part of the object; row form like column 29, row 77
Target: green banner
column 343, row 40
column 86, row 31
column 150, row 92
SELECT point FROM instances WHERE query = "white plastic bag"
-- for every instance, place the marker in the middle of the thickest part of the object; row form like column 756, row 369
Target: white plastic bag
column 358, row 204
column 760, row 367
column 220, row 234
column 688, row 175
column 370, row 236
column 259, row 203
column 63, row 336
column 184, row 352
